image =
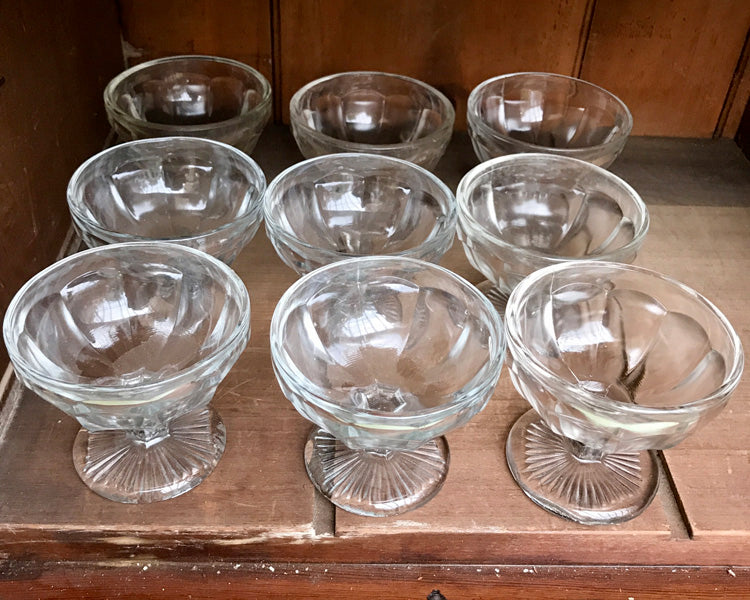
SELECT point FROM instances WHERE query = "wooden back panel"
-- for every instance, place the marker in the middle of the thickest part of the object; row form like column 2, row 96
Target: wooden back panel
column 55, row 64
column 680, row 66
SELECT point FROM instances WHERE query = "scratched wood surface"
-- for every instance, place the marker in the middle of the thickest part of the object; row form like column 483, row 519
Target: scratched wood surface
column 145, row 580
column 259, row 505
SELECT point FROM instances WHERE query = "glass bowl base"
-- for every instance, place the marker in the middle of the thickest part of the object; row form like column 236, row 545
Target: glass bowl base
column 552, row 472
column 495, row 295
column 116, row 465
column 375, row 483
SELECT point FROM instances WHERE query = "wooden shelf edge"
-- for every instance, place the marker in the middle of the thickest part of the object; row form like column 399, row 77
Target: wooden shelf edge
column 593, row 548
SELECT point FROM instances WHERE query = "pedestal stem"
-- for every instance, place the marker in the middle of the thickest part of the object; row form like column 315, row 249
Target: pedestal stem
column 584, row 453
column 375, row 482
column 154, row 463
column 149, row 437
column 577, row 481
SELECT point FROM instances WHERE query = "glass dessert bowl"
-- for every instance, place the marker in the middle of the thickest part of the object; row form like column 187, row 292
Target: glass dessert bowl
column 372, row 112
column 201, row 96
column 519, row 213
column 384, row 355
column 544, row 112
column 132, row 341
column 344, row 205
column 190, row 191
column 617, row 362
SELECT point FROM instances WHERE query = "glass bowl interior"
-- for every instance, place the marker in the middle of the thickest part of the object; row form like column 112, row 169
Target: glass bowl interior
column 386, row 338
column 126, row 315
column 546, row 110
column 360, row 204
column 184, row 93
column 371, row 108
column 551, row 206
column 623, row 338
column 166, row 189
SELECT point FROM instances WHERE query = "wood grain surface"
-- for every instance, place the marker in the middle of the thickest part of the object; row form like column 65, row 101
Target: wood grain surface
column 672, row 63
column 145, row 580
column 259, row 505
column 237, row 29
column 679, row 66
column 450, row 45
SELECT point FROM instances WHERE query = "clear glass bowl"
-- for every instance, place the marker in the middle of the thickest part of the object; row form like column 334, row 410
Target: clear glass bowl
column 200, row 96
column 544, row 112
column 616, row 361
column 190, row 191
column 384, row 355
column 373, row 112
column 132, row 340
column 519, row 213
column 344, row 205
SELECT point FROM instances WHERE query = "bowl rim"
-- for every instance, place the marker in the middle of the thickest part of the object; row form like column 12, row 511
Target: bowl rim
column 12, row 315
column 250, row 167
column 483, row 381
column 445, row 128
column 474, row 121
column 433, row 242
column 518, row 350
column 466, row 218
column 112, row 107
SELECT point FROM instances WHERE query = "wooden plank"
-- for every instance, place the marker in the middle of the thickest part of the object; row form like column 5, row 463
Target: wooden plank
column 705, row 246
column 695, row 172
column 672, row 63
column 738, row 97
column 315, row 581
column 711, row 469
column 238, row 29
column 452, row 46
column 52, row 118
column 259, row 505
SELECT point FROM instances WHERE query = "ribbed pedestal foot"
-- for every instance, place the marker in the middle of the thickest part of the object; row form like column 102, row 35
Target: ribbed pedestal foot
column 495, row 295
column 551, row 471
column 116, row 465
column 375, row 483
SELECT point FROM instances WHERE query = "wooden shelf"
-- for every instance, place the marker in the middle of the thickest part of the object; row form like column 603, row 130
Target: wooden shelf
column 258, row 509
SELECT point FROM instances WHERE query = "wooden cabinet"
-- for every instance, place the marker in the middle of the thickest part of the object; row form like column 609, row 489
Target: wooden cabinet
column 256, row 528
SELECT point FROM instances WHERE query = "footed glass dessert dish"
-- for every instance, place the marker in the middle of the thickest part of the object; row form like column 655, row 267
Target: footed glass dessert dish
column 190, row 191
column 544, row 112
column 519, row 213
column 616, row 361
column 384, row 355
column 132, row 341
column 372, row 112
column 343, row 205
column 200, row 96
